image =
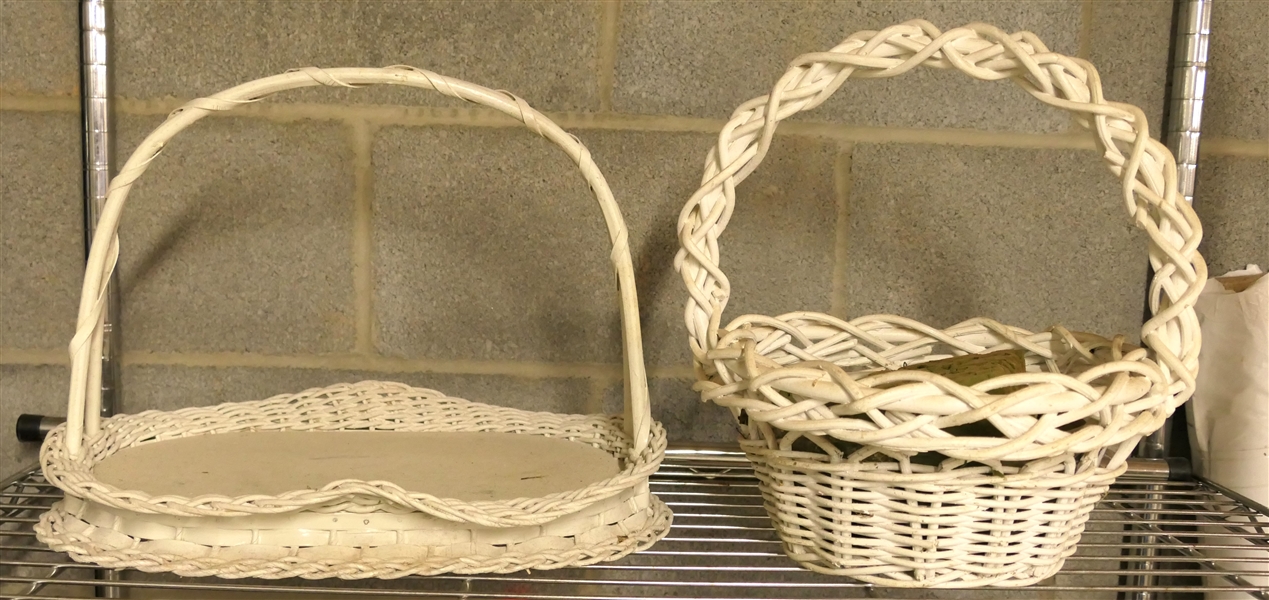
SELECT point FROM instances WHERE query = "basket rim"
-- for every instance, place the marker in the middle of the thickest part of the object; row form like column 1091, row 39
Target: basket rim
column 74, row 474
column 910, row 389
column 767, row 368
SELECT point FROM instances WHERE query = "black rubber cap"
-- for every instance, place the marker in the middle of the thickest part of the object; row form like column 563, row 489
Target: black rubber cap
column 28, row 428
column 1179, row 469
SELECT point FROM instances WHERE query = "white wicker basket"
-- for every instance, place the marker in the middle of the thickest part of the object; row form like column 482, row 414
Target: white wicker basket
column 458, row 486
column 867, row 470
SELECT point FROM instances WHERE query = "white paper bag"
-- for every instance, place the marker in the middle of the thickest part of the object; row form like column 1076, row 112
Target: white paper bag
column 1229, row 413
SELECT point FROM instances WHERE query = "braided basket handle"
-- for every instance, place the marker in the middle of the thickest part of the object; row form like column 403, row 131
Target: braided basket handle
column 1146, row 169
column 84, row 406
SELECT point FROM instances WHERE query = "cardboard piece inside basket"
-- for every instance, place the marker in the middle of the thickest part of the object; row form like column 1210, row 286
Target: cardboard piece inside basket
column 972, row 369
column 1239, row 283
column 465, row 466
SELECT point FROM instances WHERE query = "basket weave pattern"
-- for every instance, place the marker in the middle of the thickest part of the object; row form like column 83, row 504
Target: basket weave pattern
column 348, row 528
column 543, row 550
column 904, row 477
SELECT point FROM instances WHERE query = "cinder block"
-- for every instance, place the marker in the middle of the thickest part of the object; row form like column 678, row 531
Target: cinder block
column 239, row 239
column 489, row 246
column 1237, row 100
column 526, row 275
column 39, row 47
column 779, row 245
column 1230, row 200
column 705, row 58
column 41, row 228
column 1133, row 68
column 545, row 52
column 1027, row 237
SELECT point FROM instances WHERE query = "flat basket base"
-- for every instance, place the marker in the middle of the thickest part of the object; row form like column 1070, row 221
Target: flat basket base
column 86, row 543
column 469, row 466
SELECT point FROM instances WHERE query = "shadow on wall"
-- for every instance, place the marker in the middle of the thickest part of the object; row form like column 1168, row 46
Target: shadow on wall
column 654, row 271
column 174, row 234
column 952, row 293
column 480, row 258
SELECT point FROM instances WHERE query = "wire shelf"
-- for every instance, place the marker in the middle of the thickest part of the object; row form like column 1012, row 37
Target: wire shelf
column 1150, row 539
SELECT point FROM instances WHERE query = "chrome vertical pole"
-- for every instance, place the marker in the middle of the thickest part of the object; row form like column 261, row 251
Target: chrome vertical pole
column 1188, row 79
column 1189, row 85
column 98, row 147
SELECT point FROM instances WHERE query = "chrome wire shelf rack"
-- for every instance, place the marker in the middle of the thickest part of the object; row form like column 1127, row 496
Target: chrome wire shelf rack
column 1150, row 539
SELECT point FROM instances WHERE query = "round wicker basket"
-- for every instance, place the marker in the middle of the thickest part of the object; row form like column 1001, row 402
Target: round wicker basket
column 896, row 452
column 373, row 479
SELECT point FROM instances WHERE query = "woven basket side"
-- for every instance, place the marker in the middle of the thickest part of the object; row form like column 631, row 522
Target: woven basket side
column 926, row 532
column 83, row 410
column 1145, row 168
column 596, row 539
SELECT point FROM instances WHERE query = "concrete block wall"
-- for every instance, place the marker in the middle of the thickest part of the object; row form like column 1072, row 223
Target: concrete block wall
column 335, row 235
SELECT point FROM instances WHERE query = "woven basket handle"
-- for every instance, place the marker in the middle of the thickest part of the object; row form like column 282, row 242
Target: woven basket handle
column 83, row 411
column 1145, row 168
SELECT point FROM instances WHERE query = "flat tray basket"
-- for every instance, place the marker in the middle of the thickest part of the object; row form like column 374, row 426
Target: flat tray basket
column 350, row 528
